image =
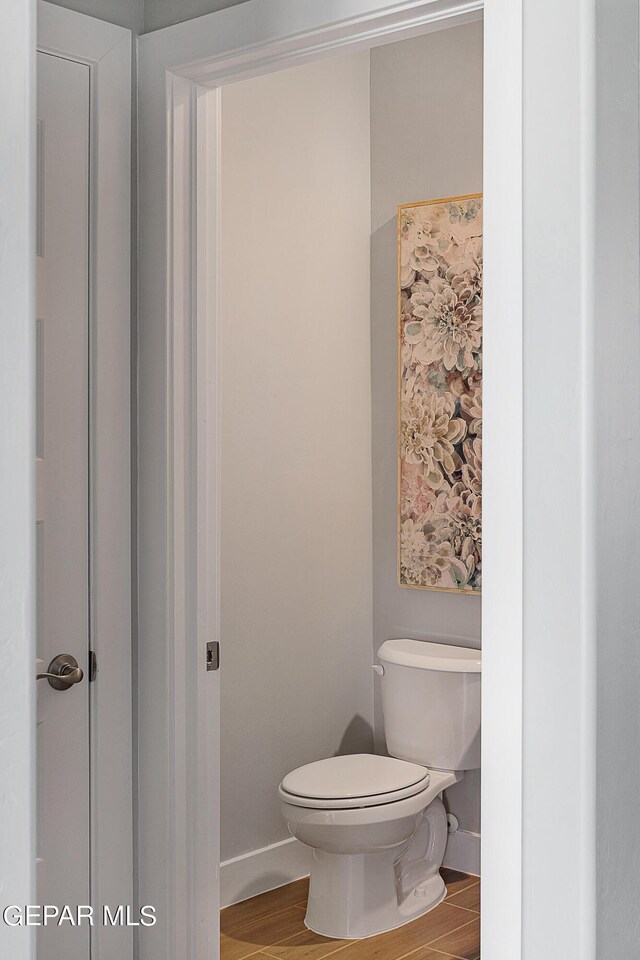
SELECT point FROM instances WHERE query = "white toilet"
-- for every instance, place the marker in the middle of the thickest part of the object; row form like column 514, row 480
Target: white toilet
column 377, row 825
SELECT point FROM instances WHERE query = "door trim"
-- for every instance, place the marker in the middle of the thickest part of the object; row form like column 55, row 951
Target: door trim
column 528, row 618
column 106, row 49
column 179, row 529
column 17, row 441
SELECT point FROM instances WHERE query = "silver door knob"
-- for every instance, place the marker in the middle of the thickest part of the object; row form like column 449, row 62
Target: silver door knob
column 63, row 672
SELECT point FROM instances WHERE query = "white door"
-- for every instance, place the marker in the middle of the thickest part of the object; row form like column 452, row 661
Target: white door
column 62, row 520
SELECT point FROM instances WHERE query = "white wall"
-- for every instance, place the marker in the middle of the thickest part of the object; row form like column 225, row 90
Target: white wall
column 295, row 210
column 17, row 512
column 561, row 573
column 296, row 434
column 426, row 142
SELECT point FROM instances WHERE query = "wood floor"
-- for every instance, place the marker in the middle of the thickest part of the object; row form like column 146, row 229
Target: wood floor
column 272, row 926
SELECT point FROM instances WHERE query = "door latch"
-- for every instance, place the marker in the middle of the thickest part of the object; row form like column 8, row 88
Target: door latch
column 213, row 655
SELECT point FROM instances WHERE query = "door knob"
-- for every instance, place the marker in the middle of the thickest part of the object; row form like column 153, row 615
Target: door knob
column 62, row 672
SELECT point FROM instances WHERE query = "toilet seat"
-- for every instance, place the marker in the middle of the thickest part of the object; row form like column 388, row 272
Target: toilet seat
column 358, row 780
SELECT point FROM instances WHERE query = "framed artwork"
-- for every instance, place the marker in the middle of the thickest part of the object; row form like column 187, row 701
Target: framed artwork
column 440, row 394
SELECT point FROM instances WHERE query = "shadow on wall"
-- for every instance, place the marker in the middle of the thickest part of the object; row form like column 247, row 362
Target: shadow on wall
column 357, row 738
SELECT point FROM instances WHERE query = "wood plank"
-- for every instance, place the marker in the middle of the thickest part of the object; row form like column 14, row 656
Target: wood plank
column 403, row 940
column 463, row 943
column 271, row 927
column 468, row 898
column 306, row 946
column 456, row 881
column 248, row 911
column 253, row 937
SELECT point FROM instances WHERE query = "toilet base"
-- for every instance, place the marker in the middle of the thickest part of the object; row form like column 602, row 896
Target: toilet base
column 353, row 896
column 329, row 919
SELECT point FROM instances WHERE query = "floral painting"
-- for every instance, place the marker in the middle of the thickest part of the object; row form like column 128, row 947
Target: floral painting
column 440, row 421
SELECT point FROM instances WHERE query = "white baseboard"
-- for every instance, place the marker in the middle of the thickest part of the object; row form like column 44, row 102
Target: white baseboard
column 265, row 869
column 463, row 852
column 273, row 866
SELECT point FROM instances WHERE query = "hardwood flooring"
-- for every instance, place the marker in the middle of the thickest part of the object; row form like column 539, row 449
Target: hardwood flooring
column 271, row 927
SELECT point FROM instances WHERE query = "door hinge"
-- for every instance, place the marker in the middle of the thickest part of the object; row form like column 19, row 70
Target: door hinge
column 213, row 655
column 93, row 665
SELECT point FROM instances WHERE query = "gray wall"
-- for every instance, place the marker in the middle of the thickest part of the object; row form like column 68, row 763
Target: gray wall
column 163, row 13
column 618, row 362
column 296, row 435
column 126, row 13
column 143, row 16
column 426, row 142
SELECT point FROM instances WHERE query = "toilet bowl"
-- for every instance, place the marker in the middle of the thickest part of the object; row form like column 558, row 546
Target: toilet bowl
column 377, row 825
column 376, row 855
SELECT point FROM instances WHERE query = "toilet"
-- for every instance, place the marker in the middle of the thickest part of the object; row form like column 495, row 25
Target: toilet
column 377, row 825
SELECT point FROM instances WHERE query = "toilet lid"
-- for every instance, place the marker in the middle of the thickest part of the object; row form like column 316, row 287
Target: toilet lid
column 360, row 780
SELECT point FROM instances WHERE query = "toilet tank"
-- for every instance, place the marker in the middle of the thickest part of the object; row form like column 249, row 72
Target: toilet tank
column 431, row 703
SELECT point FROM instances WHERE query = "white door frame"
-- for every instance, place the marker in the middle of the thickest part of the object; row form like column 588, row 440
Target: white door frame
column 538, row 145
column 17, row 479
column 107, row 51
